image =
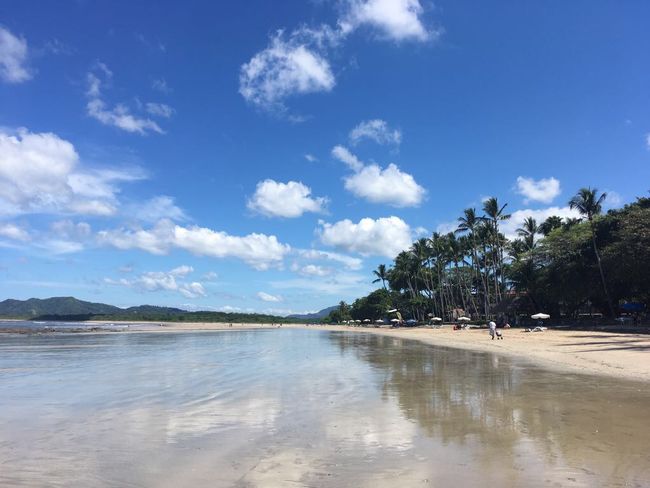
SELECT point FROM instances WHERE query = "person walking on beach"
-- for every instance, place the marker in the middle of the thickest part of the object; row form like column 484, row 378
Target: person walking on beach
column 493, row 330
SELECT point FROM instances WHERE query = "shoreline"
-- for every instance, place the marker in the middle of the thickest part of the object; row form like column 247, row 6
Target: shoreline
column 624, row 356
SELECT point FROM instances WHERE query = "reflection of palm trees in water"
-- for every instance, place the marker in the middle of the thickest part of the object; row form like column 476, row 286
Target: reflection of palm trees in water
column 500, row 405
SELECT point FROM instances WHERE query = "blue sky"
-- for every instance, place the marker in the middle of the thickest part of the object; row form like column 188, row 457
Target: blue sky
column 267, row 156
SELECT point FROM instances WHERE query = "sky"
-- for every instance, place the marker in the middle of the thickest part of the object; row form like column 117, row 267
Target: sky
column 267, row 156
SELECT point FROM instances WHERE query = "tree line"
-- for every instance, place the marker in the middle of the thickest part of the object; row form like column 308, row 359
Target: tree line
column 597, row 263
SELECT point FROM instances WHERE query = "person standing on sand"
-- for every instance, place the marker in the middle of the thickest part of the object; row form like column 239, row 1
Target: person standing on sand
column 493, row 330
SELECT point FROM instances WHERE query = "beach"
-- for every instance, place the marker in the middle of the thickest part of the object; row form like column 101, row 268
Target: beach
column 306, row 406
column 617, row 355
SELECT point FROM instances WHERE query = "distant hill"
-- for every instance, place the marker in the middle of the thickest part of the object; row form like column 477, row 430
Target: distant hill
column 314, row 316
column 35, row 307
column 72, row 309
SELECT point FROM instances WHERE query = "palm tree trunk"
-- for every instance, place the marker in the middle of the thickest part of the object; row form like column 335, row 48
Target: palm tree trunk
column 602, row 274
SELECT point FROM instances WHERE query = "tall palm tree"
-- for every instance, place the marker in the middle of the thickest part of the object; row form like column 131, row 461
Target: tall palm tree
column 590, row 204
column 470, row 223
column 528, row 231
column 382, row 275
column 494, row 214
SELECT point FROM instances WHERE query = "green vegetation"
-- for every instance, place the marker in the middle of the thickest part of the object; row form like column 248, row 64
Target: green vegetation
column 564, row 267
column 72, row 309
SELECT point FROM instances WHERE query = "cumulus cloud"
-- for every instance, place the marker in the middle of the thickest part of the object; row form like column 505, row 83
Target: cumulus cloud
column 386, row 236
column 370, row 182
column 257, row 250
column 13, row 58
column 164, row 281
column 40, row 172
column 290, row 65
column 120, row 115
column 292, row 199
column 297, row 63
column 14, row 232
column 311, row 158
column 544, row 190
column 509, row 227
column 399, row 20
column 266, row 297
column 376, row 130
column 389, row 185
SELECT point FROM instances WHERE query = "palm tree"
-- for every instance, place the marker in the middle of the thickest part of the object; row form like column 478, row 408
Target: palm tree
column 590, row 204
column 528, row 231
column 382, row 275
column 550, row 224
column 494, row 215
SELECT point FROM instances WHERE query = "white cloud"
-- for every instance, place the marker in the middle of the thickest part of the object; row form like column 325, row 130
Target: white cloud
column 345, row 156
column 288, row 66
column 314, row 270
column 257, row 250
column 210, row 276
column 41, row 173
column 314, row 254
column 159, row 109
column 67, row 229
column 157, row 208
column 509, row 227
column 544, row 190
column 13, row 58
column 396, row 19
column 292, row 199
column 164, row 281
column 119, row 116
column 389, row 185
column 311, row 158
column 386, row 236
column 376, row 130
column 267, row 297
column 337, row 285
column 647, row 140
column 14, row 232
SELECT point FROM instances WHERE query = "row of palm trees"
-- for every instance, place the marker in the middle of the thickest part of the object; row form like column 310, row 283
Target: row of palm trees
column 468, row 269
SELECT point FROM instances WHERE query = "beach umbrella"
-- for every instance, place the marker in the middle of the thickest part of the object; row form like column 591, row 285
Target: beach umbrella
column 357, row 321
column 379, row 321
column 436, row 319
column 464, row 319
column 394, row 320
column 365, row 321
column 540, row 316
column 392, row 310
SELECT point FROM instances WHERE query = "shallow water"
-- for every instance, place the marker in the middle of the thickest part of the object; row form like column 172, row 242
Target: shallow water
column 275, row 408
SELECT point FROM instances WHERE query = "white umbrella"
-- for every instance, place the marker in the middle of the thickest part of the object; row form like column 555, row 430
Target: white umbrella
column 436, row 319
column 379, row 321
column 394, row 320
column 540, row 316
column 365, row 321
column 392, row 310
column 464, row 319
column 358, row 321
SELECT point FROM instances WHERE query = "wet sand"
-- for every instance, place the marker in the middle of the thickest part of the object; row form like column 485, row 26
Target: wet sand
column 625, row 356
column 306, row 408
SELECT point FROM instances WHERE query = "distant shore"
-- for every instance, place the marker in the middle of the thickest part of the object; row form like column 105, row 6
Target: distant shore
column 625, row 356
